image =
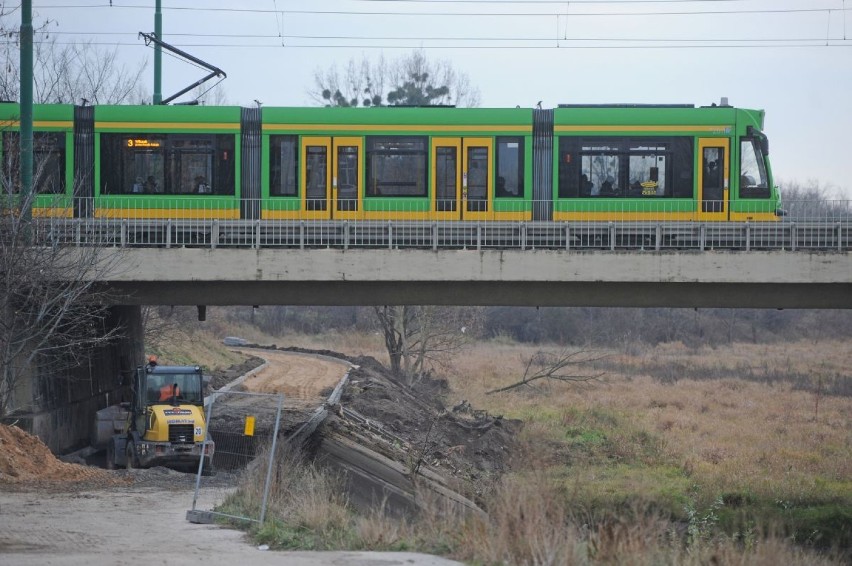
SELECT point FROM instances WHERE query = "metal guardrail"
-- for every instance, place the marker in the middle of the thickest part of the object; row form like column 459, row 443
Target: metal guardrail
column 824, row 225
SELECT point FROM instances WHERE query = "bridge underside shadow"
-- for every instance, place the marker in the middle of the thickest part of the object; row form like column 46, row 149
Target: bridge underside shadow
column 193, row 276
column 593, row 294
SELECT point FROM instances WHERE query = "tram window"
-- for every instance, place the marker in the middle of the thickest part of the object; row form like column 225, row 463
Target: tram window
column 316, row 173
column 647, row 169
column 477, row 179
column 510, row 167
column 446, row 175
column 600, row 166
column 683, row 167
column 569, row 171
column 192, row 163
column 48, row 162
column 396, row 166
column 625, row 167
column 753, row 179
column 347, row 177
column 167, row 164
column 283, row 166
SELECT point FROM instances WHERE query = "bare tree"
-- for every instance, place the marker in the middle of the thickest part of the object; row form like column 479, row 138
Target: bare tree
column 419, row 338
column 813, row 201
column 51, row 312
column 214, row 95
column 66, row 73
column 566, row 366
column 412, row 80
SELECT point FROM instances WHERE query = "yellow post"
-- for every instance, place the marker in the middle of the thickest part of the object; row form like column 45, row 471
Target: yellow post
column 249, row 430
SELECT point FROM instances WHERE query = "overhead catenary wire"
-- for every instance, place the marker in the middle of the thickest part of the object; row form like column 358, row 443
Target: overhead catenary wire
column 457, row 38
column 457, row 14
column 559, row 40
column 819, row 44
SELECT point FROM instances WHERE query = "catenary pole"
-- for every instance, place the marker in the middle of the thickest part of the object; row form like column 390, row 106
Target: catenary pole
column 158, row 53
column 26, row 109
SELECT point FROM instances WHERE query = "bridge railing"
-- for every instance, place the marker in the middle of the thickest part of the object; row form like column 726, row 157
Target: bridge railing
column 514, row 224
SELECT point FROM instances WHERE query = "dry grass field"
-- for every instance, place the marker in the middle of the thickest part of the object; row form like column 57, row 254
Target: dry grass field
column 770, row 449
column 739, row 454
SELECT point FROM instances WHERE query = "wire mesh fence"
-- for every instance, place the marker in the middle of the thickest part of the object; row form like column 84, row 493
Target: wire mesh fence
column 800, row 225
column 244, row 428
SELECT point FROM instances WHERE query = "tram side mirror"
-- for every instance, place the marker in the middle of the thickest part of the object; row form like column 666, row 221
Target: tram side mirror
column 764, row 145
column 655, row 174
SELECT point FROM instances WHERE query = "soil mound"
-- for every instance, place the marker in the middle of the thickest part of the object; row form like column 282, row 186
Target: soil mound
column 461, row 443
column 24, row 459
column 409, row 424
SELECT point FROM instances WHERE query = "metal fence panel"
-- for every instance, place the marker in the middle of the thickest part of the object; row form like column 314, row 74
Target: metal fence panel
column 243, row 426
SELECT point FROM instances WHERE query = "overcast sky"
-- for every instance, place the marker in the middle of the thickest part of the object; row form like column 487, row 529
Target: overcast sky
column 791, row 58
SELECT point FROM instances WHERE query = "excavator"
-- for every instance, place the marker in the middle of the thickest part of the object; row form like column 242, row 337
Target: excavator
column 163, row 424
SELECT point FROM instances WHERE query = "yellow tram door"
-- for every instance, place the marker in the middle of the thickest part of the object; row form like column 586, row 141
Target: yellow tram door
column 477, row 186
column 316, row 177
column 713, row 178
column 346, row 177
column 446, row 178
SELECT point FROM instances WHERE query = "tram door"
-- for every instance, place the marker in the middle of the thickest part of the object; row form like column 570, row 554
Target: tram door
column 713, row 178
column 316, row 177
column 331, row 177
column 346, row 177
column 462, row 184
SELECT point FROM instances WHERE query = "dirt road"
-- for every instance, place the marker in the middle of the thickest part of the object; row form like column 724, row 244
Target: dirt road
column 302, row 378
column 144, row 526
column 145, row 523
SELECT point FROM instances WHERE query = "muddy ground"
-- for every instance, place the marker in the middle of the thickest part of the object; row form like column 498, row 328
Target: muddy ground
column 60, row 507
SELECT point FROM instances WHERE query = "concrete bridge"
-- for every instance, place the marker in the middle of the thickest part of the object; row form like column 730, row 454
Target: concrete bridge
column 706, row 279
column 738, row 265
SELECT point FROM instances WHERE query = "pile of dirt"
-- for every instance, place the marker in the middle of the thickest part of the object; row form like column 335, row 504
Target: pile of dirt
column 462, row 443
column 25, row 459
column 411, row 425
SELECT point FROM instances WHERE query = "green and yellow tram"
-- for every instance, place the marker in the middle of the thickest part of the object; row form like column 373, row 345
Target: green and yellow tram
column 591, row 163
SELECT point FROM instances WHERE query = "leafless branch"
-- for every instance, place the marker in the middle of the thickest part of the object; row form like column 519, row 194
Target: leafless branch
column 52, row 312
column 557, row 366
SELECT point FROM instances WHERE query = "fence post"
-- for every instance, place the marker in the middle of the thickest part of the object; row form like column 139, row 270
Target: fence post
column 567, row 237
column 479, row 237
column 611, row 236
column 702, row 237
column 271, row 459
column 207, row 417
column 169, row 233
column 345, row 234
column 214, row 234
column 793, row 236
column 748, row 236
column 658, row 237
column 434, row 236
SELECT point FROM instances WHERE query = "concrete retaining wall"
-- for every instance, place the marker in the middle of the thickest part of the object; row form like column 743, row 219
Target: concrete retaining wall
column 65, row 405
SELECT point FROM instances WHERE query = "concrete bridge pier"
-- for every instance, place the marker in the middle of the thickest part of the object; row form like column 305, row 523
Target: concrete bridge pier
column 60, row 409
